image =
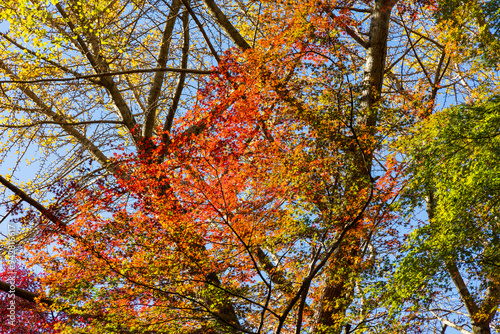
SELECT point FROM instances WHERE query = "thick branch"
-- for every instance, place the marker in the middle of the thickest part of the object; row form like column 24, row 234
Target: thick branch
column 224, row 23
column 182, row 77
column 373, row 77
column 276, row 276
column 446, row 322
column 375, row 60
column 101, row 66
column 24, row 294
column 323, row 260
column 101, row 75
column 451, row 267
column 28, row 199
column 202, row 30
column 491, row 300
column 225, row 311
column 349, row 31
column 463, row 291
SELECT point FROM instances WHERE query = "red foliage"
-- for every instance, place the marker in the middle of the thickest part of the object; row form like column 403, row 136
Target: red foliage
column 19, row 315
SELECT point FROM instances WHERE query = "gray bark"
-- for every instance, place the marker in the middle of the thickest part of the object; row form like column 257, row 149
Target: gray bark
column 484, row 311
column 224, row 23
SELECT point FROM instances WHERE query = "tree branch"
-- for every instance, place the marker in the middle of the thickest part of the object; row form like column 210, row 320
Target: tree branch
column 59, row 123
column 451, row 324
column 167, row 126
column 224, row 23
column 412, row 46
column 401, row 23
column 101, row 66
column 348, row 30
column 28, row 199
column 202, row 30
column 24, row 294
column 101, row 75
column 491, row 300
column 53, row 63
column 46, row 110
column 463, row 291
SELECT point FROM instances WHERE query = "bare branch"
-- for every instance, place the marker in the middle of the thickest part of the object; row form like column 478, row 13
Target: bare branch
column 59, row 66
column 451, row 324
column 349, row 31
column 46, row 110
column 58, row 123
column 182, row 77
column 412, row 46
column 202, row 30
column 402, row 24
column 28, row 199
column 101, row 66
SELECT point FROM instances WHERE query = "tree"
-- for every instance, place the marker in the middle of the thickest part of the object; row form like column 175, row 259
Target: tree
column 483, row 39
column 246, row 197
column 454, row 168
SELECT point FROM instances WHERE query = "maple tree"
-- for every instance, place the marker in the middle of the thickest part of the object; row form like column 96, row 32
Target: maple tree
column 244, row 179
column 454, row 169
column 447, row 268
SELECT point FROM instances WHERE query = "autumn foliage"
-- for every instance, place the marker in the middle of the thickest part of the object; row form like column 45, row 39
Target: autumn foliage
column 243, row 174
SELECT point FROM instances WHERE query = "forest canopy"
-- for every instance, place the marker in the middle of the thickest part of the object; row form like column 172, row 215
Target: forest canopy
column 207, row 166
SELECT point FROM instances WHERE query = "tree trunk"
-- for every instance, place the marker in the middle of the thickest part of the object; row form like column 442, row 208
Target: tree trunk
column 336, row 295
